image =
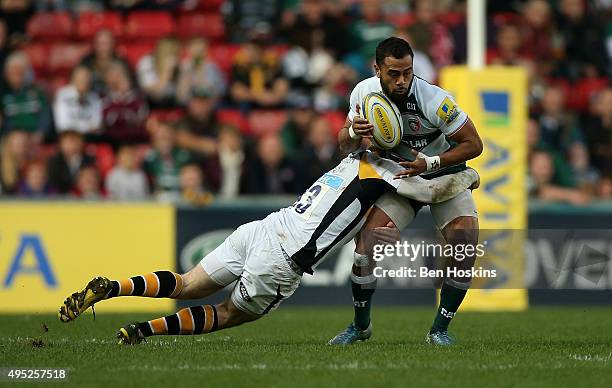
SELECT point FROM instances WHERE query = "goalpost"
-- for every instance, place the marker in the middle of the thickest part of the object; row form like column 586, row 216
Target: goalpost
column 495, row 99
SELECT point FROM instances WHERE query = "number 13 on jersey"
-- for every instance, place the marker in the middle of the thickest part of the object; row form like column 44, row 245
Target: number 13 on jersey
column 309, row 200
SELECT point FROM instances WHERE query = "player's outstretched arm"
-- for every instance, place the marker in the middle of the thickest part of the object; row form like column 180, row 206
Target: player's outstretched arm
column 438, row 189
column 469, row 146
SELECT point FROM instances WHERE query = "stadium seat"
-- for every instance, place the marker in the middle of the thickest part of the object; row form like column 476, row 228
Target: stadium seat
column 453, row 19
column 46, row 151
column 38, row 54
column 50, row 26
column 63, row 57
column 134, row 51
column 148, row 25
column 223, row 56
column 402, row 20
column 336, row 120
column 210, row 26
column 502, row 18
column 202, row 5
column 582, row 92
column 266, row 121
column 141, row 152
column 55, row 83
column 105, row 157
column 90, row 22
column 167, row 114
column 233, row 117
column 279, row 49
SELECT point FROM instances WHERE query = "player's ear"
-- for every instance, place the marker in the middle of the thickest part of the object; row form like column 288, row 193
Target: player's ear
column 377, row 69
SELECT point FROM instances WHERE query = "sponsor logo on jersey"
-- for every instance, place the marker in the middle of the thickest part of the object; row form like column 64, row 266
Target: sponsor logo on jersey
column 421, row 143
column 411, row 106
column 333, row 181
column 448, row 111
column 414, row 124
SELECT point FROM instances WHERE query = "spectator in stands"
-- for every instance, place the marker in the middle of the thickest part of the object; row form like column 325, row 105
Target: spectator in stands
column 538, row 31
column 558, row 127
column 585, row 176
column 309, row 65
column 23, row 106
column 76, row 106
column 126, row 181
column 604, row 188
column 164, row 162
column 64, row 167
column 295, row 130
column 309, row 59
column 430, row 36
column 562, row 170
column 509, row 48
column 35, row 182
column 583, row 37
column 76, row 6
column 124, row 108
column 128, row 5
column 364, row 35
column 251, row 17
column 197, row 131
column 88, row 185
column 16, row 14
column 4, row 49
column 256, row 78
column 15, row 152
column 192, row 185
column 231, row 161
column 158, row 73
column 541, row 182
column 420, row 61
column 315, row 28
column 198, row 71
column 103, row 55
column 598, row 130
column 320, row 153
column 271, row 172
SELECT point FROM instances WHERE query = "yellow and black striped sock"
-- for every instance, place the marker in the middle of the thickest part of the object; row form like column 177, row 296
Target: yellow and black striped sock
column 188, row 321
column 158, row 284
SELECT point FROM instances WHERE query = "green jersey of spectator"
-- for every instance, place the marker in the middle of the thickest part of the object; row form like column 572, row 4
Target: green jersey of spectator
column 165, row 171
column 25, row 109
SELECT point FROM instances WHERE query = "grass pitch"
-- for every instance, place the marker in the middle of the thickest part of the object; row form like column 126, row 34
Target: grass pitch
column 547, row 347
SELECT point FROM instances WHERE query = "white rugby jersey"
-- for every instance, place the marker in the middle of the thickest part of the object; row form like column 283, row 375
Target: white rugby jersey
column 429, row 115
column 332, row 210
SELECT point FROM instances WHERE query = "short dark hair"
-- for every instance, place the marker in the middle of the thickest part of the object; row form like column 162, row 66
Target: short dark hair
column 392, row 47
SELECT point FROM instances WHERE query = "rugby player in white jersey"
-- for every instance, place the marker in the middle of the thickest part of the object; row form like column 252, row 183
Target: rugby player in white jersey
column 267, row 258
column 442, row 138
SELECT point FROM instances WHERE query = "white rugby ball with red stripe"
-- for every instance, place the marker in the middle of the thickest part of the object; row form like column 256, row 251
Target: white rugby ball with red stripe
column 384, row 115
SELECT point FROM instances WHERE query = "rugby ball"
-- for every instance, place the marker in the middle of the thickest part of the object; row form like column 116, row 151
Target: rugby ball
column 382, row 113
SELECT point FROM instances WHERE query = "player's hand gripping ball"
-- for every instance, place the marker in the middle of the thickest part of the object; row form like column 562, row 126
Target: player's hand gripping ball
column 385, row 118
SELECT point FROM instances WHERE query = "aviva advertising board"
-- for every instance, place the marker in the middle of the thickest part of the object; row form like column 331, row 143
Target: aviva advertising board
column 495, row 99
column 52, row 249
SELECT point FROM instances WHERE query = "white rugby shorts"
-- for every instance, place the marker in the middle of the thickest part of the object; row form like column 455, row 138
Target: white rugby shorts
column 254, row 258
column 401, row 212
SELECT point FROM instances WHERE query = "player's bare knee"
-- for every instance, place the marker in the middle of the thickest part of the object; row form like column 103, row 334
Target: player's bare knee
column 228, row 315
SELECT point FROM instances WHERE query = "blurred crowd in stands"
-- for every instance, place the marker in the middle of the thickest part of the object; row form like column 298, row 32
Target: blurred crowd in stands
column 192, row 100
